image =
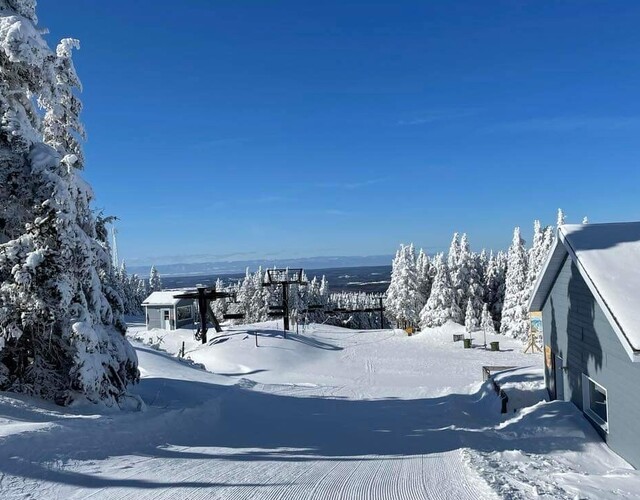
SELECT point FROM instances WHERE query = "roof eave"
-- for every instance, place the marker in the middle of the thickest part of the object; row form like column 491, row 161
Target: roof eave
column 546, row 276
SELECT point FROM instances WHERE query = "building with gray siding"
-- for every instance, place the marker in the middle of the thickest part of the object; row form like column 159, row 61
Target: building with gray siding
column 164, row 311
column 589, row 295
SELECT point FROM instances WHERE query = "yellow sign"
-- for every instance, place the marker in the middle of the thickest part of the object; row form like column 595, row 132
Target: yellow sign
column 548, row 357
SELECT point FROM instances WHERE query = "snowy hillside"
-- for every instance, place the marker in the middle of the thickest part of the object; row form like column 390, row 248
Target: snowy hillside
column 329, row 413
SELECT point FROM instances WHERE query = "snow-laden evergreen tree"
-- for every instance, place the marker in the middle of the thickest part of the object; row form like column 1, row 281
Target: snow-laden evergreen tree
column 425, row 277
column 220, row 307
column 142, row 289
column 442, row 305
column 394, row 286
column 515, row 317
column 561, row 218
column 245, row 299
column 585, row 220
column 486, row 321
column 453, row 256
column 470, row 317
column 59, row 336
column 260, row 299
column 482, row 264
column 403, row 297
column 536, row 254
column 542, row 242
column 460, row 272
column 155, row 282
column 495, row 286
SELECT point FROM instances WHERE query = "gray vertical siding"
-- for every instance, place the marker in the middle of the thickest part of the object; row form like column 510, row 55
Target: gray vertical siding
column 577, row 330
column 154, row 315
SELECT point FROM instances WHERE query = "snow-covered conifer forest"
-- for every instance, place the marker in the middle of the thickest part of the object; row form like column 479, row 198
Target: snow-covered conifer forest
column 487, row 289
column 61, row 302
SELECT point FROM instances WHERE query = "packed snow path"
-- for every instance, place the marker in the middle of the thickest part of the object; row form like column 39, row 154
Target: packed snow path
column 330, row 413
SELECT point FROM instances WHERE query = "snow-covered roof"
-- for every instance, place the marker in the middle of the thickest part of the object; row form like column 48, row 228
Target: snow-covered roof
column 608, row 258
column 163, row 298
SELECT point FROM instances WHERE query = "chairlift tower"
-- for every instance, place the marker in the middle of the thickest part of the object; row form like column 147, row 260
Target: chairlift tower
column 204, row 296
column 284, row 278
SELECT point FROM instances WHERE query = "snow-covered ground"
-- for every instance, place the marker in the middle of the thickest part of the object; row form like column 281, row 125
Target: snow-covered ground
column 329, row 413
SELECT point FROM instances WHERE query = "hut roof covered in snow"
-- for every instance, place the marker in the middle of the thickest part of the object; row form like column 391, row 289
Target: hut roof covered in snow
column 608, row 258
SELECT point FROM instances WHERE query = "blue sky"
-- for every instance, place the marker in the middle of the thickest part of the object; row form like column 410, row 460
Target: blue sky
column 243, row 129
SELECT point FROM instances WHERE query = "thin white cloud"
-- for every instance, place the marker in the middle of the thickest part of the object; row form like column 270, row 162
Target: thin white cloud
column 438, row 116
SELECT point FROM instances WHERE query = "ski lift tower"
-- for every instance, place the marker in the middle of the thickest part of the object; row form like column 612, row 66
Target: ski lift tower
column 204, row 296
column 284, row 278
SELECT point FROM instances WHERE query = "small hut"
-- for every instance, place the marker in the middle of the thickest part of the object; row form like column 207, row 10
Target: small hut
column 164, row 311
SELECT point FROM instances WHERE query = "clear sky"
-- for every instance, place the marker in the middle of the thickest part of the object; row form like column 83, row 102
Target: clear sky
column 337, row 127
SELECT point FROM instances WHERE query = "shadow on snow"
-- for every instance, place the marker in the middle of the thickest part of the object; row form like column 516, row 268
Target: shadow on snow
column 244, row 425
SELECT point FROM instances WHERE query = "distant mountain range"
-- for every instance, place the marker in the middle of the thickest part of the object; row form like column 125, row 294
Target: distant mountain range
column 239, row 266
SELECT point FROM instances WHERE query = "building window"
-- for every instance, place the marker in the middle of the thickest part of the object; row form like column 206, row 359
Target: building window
column 594, row 402
column 184, row 312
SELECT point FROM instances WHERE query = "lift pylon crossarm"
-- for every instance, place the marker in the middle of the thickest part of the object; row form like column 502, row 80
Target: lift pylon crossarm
column 284, row 278
column 204, row 296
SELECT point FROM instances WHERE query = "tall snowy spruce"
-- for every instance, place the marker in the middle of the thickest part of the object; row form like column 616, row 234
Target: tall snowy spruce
column 442, row 305
column 495, row 286
column 60, row 338
column 155, row 282
column 470, row 317
column 514, row 312
column 403, row 298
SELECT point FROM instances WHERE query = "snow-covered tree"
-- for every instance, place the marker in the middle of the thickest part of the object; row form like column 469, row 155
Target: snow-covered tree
column 442, row 305
column 220, row 307
column 403, row 297
column 560, row 221
column 486, row 321
column 60, row 337
column 454, row 253
column 470, row 317
column 424, row 276
column 495, row 286
column 460, row 272
column 514, row 313
column 585, row 220
column 155, row 282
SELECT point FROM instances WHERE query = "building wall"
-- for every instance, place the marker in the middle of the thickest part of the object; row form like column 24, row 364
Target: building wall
column 154, row 315
column 578, row 331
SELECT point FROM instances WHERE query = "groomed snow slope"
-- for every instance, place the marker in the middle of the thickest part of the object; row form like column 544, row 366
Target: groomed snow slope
column 330, row 413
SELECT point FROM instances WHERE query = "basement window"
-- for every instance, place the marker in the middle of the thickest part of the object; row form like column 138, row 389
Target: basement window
column 594, row 402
